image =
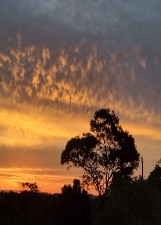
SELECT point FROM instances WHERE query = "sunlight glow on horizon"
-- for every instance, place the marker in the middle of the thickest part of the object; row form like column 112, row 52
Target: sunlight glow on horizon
column 12, row 177
column 26, row 127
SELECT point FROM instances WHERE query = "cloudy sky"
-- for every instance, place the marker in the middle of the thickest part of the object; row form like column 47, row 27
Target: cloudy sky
column 59, row 62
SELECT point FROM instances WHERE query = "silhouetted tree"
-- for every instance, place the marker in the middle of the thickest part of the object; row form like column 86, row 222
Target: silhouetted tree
column 75, row 205
column 104, row 152
column 144, row 203
column 30, row 186
column 155, row 176
column 135, row 203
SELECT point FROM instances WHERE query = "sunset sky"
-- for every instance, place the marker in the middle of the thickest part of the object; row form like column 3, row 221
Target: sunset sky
column 60, row 60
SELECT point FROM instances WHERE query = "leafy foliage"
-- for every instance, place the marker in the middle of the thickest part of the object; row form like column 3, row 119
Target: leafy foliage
column 132, row 203
column 75, row 204
column 155, row 176
column 135, row 203
column 30, row 186
column 103, row 153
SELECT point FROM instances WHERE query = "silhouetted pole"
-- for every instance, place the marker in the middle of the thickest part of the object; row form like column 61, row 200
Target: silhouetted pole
column 142, row 168
column 106, row 181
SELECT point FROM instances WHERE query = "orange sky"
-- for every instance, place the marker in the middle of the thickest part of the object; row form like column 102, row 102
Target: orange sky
column 33, row 136
column 56, row 69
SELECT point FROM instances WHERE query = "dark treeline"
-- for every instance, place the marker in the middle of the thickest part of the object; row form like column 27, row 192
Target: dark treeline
column 135, row 202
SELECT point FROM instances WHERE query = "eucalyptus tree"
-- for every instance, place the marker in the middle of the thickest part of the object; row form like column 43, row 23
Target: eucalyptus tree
column 102, row 153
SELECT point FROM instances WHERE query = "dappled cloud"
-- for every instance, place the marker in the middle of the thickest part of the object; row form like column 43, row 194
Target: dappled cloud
column 72, row 79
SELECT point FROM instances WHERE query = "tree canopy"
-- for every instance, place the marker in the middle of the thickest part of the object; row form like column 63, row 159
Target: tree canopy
column 155, row 176
column 103, row 153
column 30, row 186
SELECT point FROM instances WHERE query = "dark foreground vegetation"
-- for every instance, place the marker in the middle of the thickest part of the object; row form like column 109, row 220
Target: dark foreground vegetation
column 135, row 202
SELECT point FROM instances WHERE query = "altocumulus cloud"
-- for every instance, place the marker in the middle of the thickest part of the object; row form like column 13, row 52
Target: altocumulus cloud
column 84, row 60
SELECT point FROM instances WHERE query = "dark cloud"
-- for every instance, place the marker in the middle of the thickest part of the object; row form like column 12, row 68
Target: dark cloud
column 123, row 24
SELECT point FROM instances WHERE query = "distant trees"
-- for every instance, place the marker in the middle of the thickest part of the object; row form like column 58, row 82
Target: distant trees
column 25, row 208
column 75, row 205
column 29, row 186
column 134, row 203
column 103, row 153
column 155, row 176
